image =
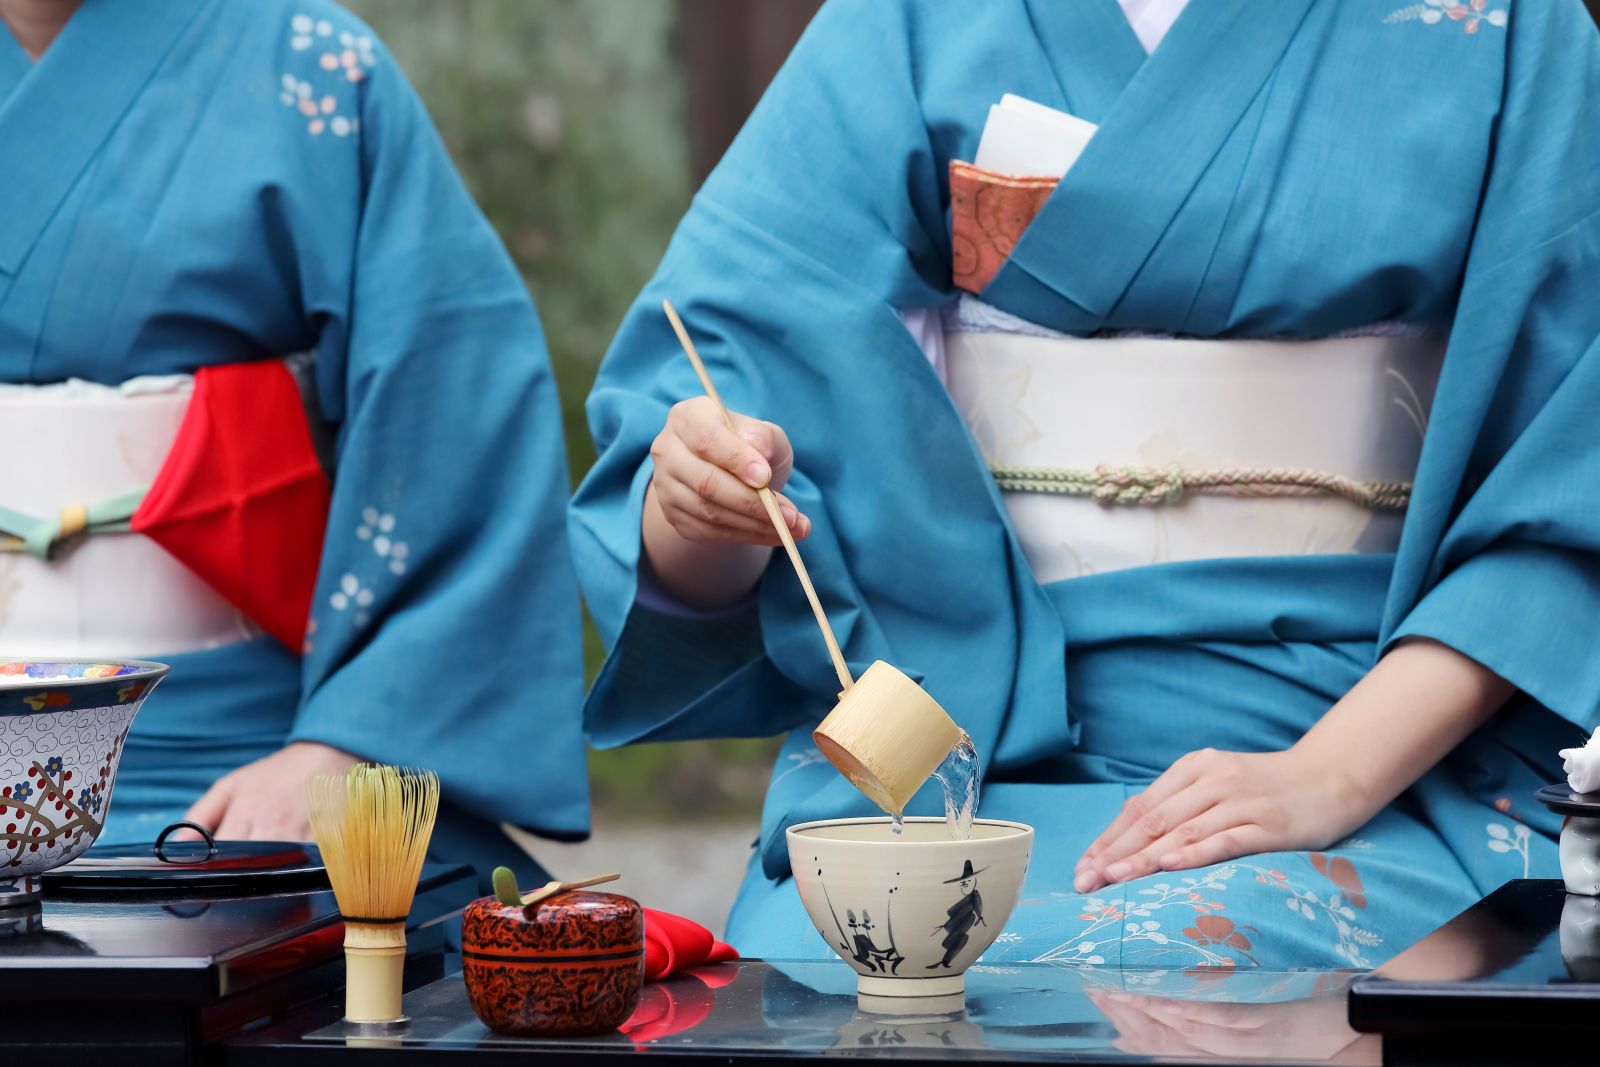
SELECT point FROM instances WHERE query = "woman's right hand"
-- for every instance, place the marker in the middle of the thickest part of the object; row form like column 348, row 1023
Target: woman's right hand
column 706, row 476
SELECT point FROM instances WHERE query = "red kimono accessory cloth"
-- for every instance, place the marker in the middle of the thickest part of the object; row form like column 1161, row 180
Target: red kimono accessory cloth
column 242, row 499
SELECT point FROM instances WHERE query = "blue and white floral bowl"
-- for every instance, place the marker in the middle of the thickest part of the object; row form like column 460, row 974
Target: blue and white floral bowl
column 62, row 728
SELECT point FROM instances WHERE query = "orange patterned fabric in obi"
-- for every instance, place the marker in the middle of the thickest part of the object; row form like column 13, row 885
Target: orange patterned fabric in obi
column 988, row 213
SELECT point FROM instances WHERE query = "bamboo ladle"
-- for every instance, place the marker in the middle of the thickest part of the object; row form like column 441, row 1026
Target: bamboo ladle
column 886, row 734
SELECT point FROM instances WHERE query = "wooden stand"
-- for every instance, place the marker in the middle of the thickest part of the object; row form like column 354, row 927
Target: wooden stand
column 887, row 735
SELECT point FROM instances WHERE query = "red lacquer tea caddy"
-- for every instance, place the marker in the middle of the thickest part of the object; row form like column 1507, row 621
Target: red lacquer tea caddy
column 571, row 964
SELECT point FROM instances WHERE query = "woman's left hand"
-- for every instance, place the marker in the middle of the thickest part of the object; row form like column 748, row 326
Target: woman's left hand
column 266, row 800
column 1212, row 806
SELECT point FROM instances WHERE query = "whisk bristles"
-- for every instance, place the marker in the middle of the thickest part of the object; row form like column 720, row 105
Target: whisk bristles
column 373, row 826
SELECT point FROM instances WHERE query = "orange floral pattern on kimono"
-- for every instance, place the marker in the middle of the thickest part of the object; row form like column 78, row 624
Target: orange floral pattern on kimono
column 1342, row 873
column 988, row 213
column 1145, row 929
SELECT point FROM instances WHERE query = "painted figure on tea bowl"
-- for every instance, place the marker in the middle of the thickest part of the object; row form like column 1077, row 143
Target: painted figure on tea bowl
column 962, row 916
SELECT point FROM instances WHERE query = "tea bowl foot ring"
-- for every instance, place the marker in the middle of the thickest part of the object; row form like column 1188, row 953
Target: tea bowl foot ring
column 914, row 1009
column 941, row 986
column 25, row 891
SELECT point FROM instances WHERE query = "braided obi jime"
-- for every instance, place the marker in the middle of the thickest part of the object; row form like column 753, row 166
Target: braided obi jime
column 1151, row 486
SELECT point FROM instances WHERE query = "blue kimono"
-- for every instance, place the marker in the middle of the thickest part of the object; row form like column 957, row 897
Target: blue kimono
column 195, row 182
column 1289, row 169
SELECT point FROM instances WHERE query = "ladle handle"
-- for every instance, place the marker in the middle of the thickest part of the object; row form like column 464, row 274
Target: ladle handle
column 769, row 501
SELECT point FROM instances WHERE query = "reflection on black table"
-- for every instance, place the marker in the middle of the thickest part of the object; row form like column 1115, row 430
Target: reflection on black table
column 1526, row 934
column 1515, row 978
column 1014, row 1012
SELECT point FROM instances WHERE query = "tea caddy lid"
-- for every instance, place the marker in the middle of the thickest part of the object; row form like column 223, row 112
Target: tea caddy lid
column 578, row 916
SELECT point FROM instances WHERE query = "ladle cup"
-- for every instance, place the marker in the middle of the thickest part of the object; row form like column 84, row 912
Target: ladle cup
column 887, row 735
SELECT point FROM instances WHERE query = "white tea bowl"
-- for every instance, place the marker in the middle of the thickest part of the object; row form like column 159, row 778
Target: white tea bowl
column 62, row 727
column 909, row 912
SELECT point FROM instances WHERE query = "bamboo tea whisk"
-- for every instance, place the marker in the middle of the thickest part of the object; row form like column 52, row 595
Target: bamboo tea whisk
column 373, row 825
column 886, row 734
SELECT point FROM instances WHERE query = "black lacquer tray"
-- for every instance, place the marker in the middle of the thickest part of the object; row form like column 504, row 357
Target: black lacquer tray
column 205, row 866
column 191, row 867
column 1563, row 801
column 156, row 972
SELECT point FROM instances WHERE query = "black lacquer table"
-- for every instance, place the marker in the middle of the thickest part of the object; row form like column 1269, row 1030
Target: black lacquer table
column 115, row 978
column 1513, row 979
column 774, row 1013
column 253, row 982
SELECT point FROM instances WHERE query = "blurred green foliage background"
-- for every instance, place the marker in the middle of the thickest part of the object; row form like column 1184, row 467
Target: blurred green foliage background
column 567, row 121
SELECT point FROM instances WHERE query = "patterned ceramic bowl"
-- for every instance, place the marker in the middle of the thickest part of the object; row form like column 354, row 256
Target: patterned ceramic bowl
column 909, row 913
column 62, row 726
column 576, row 966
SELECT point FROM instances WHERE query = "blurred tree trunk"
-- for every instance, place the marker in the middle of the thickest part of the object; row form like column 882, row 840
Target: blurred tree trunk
column 731, row 49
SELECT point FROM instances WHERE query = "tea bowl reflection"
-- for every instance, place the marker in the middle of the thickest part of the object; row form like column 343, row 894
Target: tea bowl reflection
column 909, row 913
column 62, row 728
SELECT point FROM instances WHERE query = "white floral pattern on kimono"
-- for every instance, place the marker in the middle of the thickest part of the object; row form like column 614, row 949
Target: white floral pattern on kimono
column 341, row 60
column 1471, row 15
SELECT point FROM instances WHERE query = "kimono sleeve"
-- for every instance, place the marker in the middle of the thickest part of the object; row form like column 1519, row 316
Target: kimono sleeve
column 825, row 218
column 445, row 627
column 795, row 207
column 1515, row 583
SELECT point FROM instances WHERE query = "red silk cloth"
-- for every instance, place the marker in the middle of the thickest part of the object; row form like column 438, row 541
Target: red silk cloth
column 988, row 213
column 241, row 499
column 665, row 1010
column 673, row 943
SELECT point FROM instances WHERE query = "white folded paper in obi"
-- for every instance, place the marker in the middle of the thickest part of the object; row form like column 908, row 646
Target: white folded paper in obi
column 1024, row 139
column 1583, row 766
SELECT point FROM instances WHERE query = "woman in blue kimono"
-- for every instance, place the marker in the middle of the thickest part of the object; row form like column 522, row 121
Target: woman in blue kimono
column 195, row 184
column 1298, row 723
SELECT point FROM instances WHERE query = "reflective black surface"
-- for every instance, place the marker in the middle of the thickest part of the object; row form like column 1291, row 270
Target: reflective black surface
column 1524, row 960
column 1563, row 801
column 779, row 1012
column 1513, row 979
column 183, row 948
column 117, row 977
column 191, row 866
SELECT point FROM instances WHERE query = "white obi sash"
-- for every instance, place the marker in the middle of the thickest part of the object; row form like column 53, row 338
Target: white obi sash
column 114, row 594
column 1120, row 452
